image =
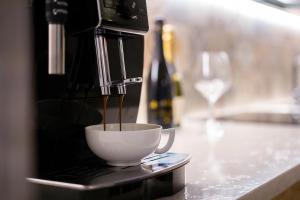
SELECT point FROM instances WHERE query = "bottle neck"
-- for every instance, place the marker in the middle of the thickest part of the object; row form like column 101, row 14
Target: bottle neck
column 158, row 47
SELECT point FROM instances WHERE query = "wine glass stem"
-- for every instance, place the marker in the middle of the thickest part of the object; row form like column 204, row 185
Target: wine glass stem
column 211, row 115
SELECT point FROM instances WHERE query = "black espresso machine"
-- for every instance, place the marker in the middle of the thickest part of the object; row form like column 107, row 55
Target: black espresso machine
column 84, row 50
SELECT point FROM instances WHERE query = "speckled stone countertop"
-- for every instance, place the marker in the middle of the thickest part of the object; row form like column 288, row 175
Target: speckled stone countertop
column 244, row 161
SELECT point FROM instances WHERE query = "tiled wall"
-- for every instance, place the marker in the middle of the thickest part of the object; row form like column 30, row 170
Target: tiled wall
column 261, row 42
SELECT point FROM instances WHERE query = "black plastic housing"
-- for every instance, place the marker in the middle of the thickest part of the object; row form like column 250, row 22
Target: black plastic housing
column 66, row 104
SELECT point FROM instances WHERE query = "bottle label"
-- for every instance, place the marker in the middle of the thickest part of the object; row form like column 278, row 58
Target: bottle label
column 153, row 105
column 161, row 112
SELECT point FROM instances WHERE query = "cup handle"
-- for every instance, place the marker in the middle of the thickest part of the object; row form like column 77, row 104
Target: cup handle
column 171, row 132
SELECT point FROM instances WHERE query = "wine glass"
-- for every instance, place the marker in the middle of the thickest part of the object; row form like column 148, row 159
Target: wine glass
column 213, row 74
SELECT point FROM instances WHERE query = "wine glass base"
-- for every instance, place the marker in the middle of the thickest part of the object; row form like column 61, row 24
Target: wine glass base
column 214, row 130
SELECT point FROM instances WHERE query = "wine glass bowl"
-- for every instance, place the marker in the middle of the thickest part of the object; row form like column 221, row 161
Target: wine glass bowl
column 213, row 76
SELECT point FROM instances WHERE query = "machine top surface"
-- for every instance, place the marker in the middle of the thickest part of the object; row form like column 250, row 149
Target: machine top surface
column 95, row 174
column 128, row 16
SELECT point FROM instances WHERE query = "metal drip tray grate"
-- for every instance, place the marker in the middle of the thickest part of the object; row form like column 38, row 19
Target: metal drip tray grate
column 93, row 175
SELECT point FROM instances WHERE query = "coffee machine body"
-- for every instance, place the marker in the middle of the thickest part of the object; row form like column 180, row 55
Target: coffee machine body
column 96, row 50
column 69, row 102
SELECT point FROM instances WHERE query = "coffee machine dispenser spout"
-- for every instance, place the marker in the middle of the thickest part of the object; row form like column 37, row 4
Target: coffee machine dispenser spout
column 104, row 70
column 103, row 64
column 126, row 81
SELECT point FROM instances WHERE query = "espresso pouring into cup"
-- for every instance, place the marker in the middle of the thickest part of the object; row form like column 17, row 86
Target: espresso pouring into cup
column 129, row 146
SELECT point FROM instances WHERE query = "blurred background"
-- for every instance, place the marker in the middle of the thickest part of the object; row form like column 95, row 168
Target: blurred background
column 261, row 39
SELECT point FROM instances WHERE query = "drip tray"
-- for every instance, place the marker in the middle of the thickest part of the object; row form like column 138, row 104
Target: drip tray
column 158, row 175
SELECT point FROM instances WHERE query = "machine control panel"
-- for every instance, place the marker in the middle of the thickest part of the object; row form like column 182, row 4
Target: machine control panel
column 126, row 15
column 117, row 15
column 128, row 9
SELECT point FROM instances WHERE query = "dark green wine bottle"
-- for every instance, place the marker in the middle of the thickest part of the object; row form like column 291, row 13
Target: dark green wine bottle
column 159, row 84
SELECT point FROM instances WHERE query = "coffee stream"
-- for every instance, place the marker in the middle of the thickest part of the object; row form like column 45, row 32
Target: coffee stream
column 105, row 101
column 121, row 99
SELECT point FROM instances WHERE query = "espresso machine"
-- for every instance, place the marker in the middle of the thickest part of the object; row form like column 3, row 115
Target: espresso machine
column 84, row 50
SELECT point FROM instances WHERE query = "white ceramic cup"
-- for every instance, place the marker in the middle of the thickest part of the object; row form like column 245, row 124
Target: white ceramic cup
column 129, row 146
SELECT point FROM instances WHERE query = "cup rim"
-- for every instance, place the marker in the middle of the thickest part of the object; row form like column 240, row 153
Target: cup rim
column 155, row 126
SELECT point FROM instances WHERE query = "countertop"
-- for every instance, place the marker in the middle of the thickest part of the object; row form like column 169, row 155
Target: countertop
column 238, row 160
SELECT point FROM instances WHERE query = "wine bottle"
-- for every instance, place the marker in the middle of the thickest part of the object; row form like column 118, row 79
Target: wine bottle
column 178, row 98
column 159, row 84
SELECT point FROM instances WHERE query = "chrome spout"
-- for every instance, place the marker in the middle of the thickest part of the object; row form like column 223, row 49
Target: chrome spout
column 122, row 87
column 103, row 65
column 105, row 81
